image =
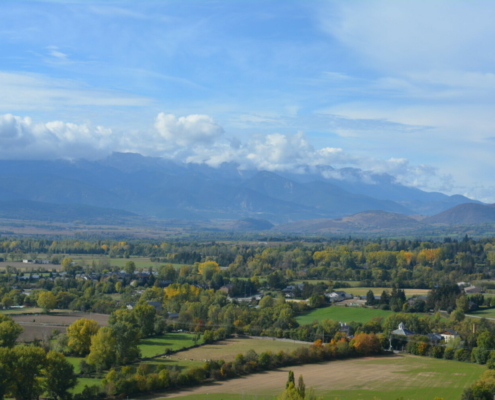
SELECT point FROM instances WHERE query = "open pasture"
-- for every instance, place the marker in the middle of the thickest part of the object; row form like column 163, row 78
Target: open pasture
column 361, row 291
column 384, row 378
column 227, row 349
column 483, row 313
column 141, row 262
column 157, row 345
column 342, row 314
column 25, row 267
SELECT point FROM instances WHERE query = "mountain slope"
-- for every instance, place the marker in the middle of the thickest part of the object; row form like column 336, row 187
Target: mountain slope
column 35, row 210
column 155, row 187
column 369, row 221
column 465, row 214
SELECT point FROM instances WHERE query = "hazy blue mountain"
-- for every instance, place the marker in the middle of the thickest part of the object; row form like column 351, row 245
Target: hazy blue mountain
column 465, row 214
column 156, row 187
column 39, row 211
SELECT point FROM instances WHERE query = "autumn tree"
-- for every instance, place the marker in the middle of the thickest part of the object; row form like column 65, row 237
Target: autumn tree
column 47, row 301
column 102, row 352
column 80, row 333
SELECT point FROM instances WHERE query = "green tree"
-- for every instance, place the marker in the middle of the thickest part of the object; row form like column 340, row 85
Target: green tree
column 102, row 352
column 370, row 298
column 26, row 372
column 126, row 343
column 301, row 387
column 9, row 331
column 145, row 316
column 130, row 267
column 47, row 301
column 59, row 376
column 290, row 380
column 6, row 379
column 80, row 333
column 7, row 302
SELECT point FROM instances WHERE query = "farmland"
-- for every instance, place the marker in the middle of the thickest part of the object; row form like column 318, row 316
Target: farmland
column 157, row 345
column 227, row 349
column 385, row 378
column 41, row 326
column 361, row 291
column 342, row 314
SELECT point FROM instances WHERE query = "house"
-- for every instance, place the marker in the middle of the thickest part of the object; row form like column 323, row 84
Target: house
column 449, row 334
column 156, row 305
column 338, row 295
column 345, row 328
column 472, row 290
column 403, row 331
column 172, row 315
column 416, row 298
column 434, row 338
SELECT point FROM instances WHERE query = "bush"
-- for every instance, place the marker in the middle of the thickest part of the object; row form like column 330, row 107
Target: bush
column 449, row 353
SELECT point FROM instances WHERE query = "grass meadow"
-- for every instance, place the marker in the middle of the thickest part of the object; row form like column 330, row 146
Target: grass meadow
column 156, row 345
column 384, row 378
column 342, row 314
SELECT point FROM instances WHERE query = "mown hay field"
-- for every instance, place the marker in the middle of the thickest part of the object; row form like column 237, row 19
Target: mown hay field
column 227, row 349
column 385, row 378
column 342, row 314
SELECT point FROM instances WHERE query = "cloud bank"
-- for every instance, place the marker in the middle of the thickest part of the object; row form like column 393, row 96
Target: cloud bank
column 200, row 139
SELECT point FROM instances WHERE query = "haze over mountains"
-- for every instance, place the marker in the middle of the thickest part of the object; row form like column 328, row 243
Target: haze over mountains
column 124, row 185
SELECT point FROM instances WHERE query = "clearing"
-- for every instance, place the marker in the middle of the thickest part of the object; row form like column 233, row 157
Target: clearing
column 385, row 378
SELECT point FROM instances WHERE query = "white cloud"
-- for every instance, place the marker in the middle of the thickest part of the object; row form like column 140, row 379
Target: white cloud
column 197, row 139
column 187, row 131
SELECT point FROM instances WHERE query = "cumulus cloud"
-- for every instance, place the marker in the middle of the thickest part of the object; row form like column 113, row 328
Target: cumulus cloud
column 189, row 130
column 200, row 139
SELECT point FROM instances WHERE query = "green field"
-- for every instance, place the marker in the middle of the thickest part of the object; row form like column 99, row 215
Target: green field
column 33, row 310
column 385, row 378
column 485, row 313
column 361, row 291
column 156, row 345
column 342, row 314
column 81, row 382
column 227, row 349
column 141, row 262
column 75, row 361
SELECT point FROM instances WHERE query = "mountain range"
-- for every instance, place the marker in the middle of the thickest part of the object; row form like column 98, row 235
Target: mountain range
column 125, row 185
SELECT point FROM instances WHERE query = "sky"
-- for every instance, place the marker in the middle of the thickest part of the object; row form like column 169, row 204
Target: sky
column 399, row 87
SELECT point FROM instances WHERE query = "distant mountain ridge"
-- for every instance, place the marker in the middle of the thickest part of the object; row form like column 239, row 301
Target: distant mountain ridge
column 466, row 214
column 160, row 188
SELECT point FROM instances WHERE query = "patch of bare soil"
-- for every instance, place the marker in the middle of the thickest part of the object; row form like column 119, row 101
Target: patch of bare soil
column 42, row 325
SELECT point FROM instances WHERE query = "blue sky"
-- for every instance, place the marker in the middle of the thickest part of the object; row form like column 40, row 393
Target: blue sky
column 406, row 88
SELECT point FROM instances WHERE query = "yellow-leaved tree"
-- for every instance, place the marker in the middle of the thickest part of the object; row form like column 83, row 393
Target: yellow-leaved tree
column 80, row 333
